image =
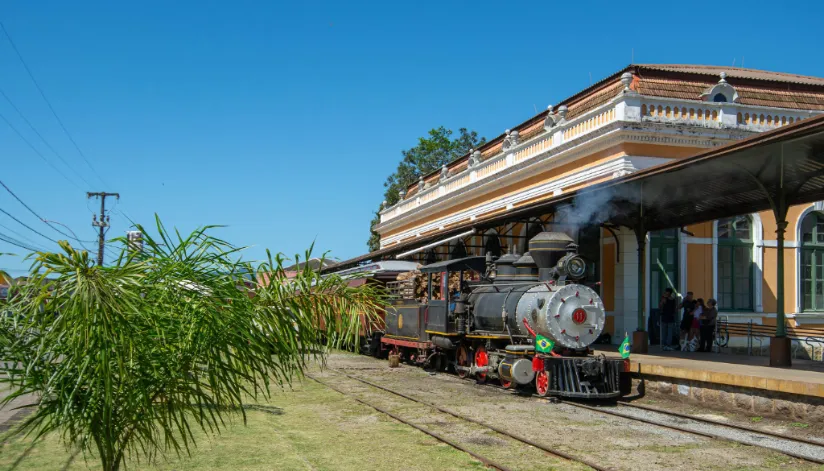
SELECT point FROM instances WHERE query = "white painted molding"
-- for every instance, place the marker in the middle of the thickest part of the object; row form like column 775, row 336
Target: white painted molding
column 788, row 244
column 758, row 262
column 508, row 202
column 697, row 240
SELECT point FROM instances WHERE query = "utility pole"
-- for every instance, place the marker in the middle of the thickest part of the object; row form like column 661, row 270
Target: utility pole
column 103, row 223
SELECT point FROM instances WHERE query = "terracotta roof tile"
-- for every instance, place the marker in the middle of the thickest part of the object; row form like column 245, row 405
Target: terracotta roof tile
column 593, row 101
column 748, row 95
column 735, row 72
column 673, row 81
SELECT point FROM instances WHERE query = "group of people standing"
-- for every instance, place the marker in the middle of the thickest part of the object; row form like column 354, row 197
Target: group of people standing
column 697, row 322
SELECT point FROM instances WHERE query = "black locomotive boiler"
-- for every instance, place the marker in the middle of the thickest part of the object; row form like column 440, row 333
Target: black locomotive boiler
column 487, row 330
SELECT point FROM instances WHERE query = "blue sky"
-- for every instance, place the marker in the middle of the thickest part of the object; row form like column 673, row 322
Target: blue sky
column 281, row 120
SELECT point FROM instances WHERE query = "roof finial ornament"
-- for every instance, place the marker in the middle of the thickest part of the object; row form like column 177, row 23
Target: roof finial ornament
column 383, row 204
column 723, row 77
column 626, row 79
column 401, row 194
column 551, row 119
column 421, row 183
column 562, row 112
column 444, row 172
column 474, row 158
column 507, row 142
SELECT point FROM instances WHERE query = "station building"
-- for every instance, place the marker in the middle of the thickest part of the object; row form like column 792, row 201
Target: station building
column 638, row 118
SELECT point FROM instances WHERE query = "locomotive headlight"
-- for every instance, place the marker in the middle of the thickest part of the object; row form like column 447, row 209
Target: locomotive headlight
column 575, row 267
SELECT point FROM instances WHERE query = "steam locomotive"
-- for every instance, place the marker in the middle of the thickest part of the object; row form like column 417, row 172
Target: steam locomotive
column 488, row 330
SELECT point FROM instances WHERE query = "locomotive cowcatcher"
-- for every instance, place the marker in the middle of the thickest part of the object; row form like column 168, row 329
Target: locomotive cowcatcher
column 487, row 329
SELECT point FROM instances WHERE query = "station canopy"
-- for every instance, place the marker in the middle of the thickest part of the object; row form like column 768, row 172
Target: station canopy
column 769, row 171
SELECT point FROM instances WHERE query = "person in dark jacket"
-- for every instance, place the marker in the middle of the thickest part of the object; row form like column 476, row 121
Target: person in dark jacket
column 668, row 308
column 707, row 320
column 688, row 306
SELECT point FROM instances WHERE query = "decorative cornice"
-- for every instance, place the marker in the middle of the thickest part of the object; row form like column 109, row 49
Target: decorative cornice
column 608, row 136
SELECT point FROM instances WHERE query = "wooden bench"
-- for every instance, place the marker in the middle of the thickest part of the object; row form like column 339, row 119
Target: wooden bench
column 813, row 338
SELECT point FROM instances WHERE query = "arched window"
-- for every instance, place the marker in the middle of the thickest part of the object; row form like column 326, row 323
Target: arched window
column 492, row 244
column 719, row 98
column 735, row 280
column 812, row 262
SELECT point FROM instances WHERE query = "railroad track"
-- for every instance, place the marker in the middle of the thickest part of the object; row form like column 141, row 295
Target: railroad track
column 796, row 447
column 485, row 460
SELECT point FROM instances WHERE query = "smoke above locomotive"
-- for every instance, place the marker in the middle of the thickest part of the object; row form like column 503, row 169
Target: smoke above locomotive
column 542, row 289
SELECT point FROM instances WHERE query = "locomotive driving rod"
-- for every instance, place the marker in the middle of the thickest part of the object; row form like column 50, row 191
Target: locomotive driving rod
column 474, row 369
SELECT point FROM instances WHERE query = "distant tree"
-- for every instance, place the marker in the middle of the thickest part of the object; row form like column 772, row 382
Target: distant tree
column 432, row 152
column 133, row 358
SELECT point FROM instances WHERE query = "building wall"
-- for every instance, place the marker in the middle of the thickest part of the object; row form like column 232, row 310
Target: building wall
column 698, row 266
column 700, row 271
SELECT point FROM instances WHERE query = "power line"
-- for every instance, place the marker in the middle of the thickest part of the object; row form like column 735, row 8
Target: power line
column 38, row 152
column 43, row 94
column 20, row 113
column 24, row 237
column 17, row 243
column 27, row 226
column 44, row 220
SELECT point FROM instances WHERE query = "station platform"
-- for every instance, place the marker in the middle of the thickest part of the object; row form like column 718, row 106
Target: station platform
column 804, row 378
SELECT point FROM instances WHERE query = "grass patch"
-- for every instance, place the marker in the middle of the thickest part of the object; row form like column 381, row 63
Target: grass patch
column 756, row 419
column 799, row 425
column 315, row 429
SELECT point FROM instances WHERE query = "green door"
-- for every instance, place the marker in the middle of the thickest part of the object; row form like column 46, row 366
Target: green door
column 663, row 256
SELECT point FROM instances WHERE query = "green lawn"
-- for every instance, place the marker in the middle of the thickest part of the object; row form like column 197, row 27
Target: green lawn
column 307, row 428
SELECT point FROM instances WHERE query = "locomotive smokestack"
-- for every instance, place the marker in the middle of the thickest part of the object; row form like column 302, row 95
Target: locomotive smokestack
column 546, row 249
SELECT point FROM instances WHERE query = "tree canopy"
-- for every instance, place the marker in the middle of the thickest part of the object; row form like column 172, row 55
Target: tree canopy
column 432, row 152
column 134, row 357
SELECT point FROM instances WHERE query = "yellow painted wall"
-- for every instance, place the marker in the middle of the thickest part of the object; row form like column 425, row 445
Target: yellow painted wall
column 699, row 270
column 608, row 277
column 770, row 282
column 703, row 230
column 609, row 325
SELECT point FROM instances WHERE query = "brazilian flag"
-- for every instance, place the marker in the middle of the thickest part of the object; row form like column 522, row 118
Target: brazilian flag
column 624, row 348
column 543, row 344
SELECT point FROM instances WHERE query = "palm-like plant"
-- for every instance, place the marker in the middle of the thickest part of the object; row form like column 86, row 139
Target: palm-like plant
column 133, row 358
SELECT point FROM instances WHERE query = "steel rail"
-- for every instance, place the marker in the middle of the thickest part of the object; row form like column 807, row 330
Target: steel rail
column 704, row 434
column 482, row 459
column 519, row 438
column 686, row 430
column 723, row 424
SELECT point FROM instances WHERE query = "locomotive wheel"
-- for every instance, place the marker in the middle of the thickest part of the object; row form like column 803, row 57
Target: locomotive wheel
column 462, row 359
column 542, row 383
column 481, row 360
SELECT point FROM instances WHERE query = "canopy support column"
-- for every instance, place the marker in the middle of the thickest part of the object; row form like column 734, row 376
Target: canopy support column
column 780, row 344
column 640, row 338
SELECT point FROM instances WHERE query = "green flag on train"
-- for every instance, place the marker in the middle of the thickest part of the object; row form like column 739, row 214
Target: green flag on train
column 624, row 348
column 543, row 344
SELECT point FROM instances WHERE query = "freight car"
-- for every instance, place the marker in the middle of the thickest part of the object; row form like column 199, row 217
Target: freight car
column 488, row 329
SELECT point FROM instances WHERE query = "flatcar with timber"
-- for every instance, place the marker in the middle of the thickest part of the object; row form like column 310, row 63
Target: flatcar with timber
column 518, row 319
